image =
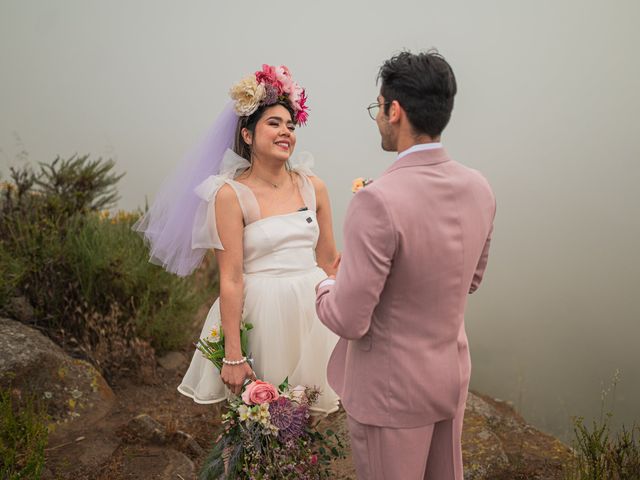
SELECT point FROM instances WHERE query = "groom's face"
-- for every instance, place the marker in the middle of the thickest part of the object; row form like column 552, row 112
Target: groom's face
column 386, row 132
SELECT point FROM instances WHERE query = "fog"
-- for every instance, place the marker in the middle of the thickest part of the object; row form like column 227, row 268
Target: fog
column 547, row 109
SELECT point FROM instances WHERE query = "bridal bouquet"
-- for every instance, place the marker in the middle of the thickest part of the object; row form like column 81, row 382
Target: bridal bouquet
column 268, row 432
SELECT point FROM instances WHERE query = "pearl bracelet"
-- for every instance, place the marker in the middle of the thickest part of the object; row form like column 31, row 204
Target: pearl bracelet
column 234, row 362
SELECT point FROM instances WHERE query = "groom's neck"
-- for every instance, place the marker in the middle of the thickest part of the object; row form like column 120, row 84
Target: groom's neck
column 407, row 140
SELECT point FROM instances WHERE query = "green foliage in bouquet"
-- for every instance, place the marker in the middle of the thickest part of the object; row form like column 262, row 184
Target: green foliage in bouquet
column 212, row 347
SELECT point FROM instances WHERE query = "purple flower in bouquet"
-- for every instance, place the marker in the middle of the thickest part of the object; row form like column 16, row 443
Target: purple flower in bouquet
column 290, row 419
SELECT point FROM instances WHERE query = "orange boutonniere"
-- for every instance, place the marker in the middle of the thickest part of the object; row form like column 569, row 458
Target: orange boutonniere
column 359, row 183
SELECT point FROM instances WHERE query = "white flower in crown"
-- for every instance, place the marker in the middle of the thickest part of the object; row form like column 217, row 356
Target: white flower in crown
column 248, row 94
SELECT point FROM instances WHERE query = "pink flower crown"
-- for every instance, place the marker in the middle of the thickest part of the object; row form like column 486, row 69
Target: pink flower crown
column 268, row 87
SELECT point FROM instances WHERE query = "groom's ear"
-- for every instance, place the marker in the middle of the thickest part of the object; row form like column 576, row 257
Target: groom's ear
column 395, row 112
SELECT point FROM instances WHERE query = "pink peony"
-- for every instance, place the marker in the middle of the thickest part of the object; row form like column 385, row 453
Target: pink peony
column 258, row 392
column 314, row 459
column 267, row 75
column 296, row 95
column 283, row 75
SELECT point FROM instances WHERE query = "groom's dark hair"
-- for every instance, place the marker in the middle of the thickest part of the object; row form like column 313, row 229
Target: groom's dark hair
column 424, row 85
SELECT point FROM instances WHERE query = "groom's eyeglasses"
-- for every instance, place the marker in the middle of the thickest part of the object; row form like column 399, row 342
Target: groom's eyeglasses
column 373, row 109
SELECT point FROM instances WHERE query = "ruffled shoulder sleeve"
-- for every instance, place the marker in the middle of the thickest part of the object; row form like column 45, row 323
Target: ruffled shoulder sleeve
column 302, row 163
column 205, row 231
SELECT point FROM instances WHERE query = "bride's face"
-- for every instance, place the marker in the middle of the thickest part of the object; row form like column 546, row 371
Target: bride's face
column 274, row 135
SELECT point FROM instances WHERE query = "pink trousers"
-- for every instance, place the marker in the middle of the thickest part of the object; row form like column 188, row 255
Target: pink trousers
column 430, row 452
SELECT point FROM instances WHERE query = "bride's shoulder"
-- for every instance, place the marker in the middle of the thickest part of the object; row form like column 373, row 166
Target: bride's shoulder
column 320, row 190
column 317, row 182
column 226, row 198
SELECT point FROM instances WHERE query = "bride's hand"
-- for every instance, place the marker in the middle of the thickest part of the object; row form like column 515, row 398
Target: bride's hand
column 336, row 263
column 233, row 376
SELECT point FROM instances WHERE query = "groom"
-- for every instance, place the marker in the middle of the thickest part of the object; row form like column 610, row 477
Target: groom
column 415, row 244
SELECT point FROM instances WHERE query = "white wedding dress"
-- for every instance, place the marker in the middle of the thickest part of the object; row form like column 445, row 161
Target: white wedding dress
column 280, row 275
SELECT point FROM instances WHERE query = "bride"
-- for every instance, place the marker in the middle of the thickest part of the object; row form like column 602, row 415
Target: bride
column 268, row 218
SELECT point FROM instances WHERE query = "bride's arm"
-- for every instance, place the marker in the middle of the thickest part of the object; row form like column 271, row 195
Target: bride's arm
column 230, row 229
column 326, row 252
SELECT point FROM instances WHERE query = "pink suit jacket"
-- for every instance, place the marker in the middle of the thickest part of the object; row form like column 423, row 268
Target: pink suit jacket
column 416, row 243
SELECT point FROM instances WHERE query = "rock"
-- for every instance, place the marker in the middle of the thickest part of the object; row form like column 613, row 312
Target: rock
column 497, row 443
column 155, row 463
column 20, row 309
column 173, row 361
column 147, row 428
column 31, row 364
column 483, row 453
column 187, row 444
column 178, row 466
column 70, row 457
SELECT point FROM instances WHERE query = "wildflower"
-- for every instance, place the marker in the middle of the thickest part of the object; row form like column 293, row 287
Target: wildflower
column 254, row 414
column 215, row 334
column 243, row 412
column 263, row 413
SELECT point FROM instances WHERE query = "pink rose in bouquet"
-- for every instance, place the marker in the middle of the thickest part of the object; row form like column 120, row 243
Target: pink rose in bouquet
column 258, row 392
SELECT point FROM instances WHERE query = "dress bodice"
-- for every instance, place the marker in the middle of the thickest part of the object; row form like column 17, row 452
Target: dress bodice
column 273, row 245
column 281, row 244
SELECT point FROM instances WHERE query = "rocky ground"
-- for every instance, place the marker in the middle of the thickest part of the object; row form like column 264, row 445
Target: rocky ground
column 144, row 429
column 153, row 432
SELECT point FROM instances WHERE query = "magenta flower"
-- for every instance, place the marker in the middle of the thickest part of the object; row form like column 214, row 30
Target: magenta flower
column 267, row 75
column 302, row 115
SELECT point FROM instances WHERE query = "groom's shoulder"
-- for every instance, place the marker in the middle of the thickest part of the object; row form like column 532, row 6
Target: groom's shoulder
column 475, row 180
column 476, row 174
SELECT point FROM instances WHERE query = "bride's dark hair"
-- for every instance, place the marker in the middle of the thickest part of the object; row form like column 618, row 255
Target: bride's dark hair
column 240, row 146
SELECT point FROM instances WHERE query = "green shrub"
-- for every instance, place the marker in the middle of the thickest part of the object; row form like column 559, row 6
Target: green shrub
column 23, row 438
column 601, row 455
column 85, row 272
column 598, row 453
column 110, row 265
column 11, row 273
